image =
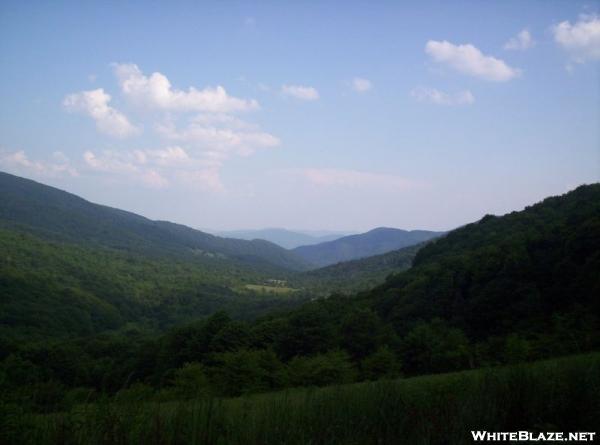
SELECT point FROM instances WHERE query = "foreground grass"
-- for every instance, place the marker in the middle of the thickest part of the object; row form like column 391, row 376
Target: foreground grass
column 559, row 395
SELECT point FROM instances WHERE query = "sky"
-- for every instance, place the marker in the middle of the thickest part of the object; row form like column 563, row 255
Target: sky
column 335, row 115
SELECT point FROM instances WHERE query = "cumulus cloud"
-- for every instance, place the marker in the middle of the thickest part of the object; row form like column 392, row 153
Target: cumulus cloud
column 361, row 85
column 156, row 91
column 329, row 177
column 94, row 103
column 300, row 92
column 19, row 162
column 469, row 60
column 581, row 39
column 434, row 96
column 196, row 146
column 520, row 42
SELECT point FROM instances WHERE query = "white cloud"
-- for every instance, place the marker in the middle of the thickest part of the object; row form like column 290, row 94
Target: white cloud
column 581, row 40
column 520, row 42
column 126, row 165
column 206, row 179
column 434, row 96
column 157, row 168
column 222, row 134
column 18, row 162
column 170, row 156
column 329, row 177
column 196, row 146
column 300, row 92
column 361, row 85
column 95, row 104
column 469, row 60
column 156, row 91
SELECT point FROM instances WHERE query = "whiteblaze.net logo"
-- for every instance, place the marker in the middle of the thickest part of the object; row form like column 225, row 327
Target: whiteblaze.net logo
column 527, row 436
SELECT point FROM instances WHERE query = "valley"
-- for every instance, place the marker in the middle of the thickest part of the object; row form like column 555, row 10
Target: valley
column 299, row 223
column 158, row 312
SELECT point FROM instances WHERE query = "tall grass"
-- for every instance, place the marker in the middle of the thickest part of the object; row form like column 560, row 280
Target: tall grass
column 560, row 395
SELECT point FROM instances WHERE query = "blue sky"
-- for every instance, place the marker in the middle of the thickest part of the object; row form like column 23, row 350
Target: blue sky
column 305, row 115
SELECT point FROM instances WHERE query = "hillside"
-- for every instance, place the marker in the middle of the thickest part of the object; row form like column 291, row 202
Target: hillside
column 56, row 289
column 58, row 215
column 287, row 239
column 357, row 275
column 532, row 271
column 374, row 242
column 504, row 290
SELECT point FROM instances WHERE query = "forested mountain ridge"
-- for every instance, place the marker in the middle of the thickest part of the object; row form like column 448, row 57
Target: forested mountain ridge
column 526, row 271
column 373, row 242
column 55, row 214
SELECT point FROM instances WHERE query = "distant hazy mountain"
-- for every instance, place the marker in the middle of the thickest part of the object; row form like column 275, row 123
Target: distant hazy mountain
column 357, row 275
column 283, row 237
column 52, row 213
column 374, row 242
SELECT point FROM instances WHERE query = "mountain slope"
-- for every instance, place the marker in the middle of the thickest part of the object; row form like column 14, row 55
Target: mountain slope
column 525, row 271
column 374, row 242
column 55, row 214
column 57, row 289
column 357, row 275
column 287, row 239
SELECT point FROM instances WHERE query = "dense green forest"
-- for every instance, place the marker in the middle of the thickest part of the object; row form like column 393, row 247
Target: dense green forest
column 491, row 292
column 56, row 289
column 59, row 289
column 89, row 325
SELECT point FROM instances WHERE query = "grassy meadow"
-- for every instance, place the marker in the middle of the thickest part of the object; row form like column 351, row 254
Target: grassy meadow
column 263, row 289
column 553, row 395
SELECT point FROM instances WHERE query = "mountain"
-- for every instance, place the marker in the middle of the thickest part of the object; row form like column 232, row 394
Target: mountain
column 54, row 289
column 287, row 239
column 357, row 275
column 374, row 242
column 54, row 214
column 535, row 272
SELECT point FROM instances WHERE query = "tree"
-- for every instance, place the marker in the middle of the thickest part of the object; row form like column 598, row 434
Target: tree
column 331, row 368
column 516, row 349
column 308, row 331
column 435, row 347
column 360, row 331
column 233, row 336
column 383, row 363
column 190, row 381
column 242, row 371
